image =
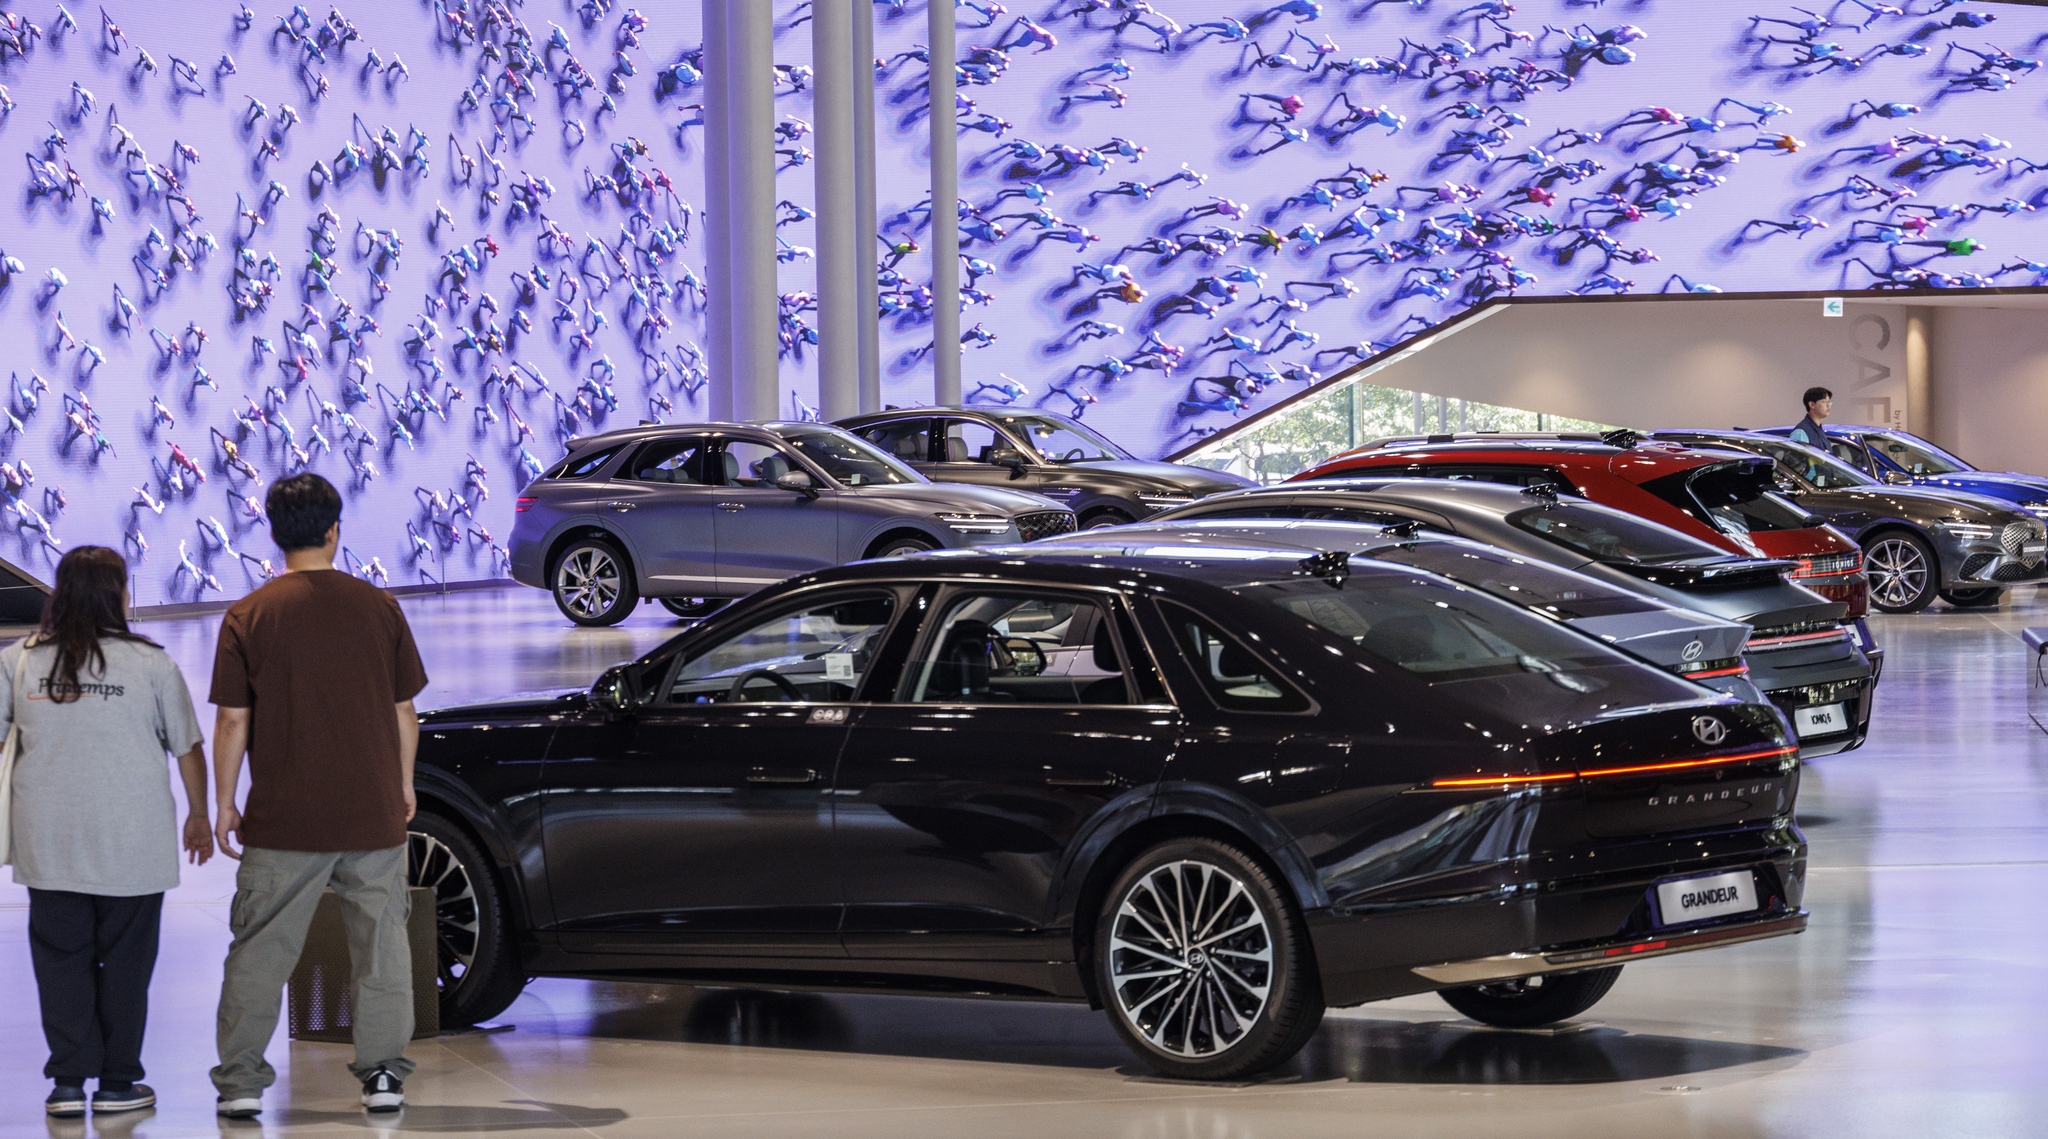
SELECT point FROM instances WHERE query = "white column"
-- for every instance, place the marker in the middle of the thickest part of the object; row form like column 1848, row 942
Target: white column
column 867, row 291
column 945, row 209
column 1919, row 373
column 750, row 37
column 835, row 71
column 716, row 218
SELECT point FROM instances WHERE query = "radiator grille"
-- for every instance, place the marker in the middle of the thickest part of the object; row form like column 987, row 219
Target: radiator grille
column 1044, row 524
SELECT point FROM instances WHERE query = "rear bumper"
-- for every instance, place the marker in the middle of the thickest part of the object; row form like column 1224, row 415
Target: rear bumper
column 1507, row 966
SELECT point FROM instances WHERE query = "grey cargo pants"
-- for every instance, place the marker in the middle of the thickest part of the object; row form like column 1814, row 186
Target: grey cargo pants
column 276, row 892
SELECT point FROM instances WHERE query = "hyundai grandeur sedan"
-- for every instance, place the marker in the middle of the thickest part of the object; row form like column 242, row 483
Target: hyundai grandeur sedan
column 1264, row 788
column 1728, row 501
column 1900, row 457
column 1919, row 542
column 694, row 516
column 1799, row 653
column 1047, row 454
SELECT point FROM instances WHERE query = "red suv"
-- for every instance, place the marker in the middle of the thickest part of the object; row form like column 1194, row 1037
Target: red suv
column 1720, row 497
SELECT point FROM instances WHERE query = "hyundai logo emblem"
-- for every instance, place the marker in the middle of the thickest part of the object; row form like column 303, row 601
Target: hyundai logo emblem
column 1709, row 730
column 1692, row 651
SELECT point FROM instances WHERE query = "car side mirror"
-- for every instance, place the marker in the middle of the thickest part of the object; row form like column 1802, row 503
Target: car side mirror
column 613, row 694
column 799, row 481
column 1897, row 478
column 1008, row 457
column 1786, row 486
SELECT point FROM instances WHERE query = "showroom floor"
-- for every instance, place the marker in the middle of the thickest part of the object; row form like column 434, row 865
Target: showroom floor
column 1912, row 1007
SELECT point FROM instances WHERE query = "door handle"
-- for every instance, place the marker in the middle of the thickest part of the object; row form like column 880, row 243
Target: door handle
column 621, row 507
column 732, row 506
column 765, row 775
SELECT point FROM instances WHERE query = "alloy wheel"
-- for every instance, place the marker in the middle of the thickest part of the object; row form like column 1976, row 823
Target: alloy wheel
column 1898, row 571
column 588, row 582
column 1190, row 959
column 457, row 923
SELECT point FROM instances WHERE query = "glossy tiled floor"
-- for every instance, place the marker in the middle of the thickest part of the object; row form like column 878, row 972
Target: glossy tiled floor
column 1913, row 1007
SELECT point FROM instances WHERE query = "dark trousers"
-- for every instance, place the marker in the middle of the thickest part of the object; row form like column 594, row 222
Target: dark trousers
column 93, row 959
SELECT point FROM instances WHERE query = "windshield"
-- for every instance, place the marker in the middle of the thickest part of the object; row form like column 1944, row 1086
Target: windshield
column 1610, row 536
column 1058, row 441
column 1439, row 631
column 850, row 461
column 1917, row 457
column 1821, row 469
column 1733, row 498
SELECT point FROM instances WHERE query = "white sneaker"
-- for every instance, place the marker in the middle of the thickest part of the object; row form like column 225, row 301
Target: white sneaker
column 383, row 1092
column 241, row 1107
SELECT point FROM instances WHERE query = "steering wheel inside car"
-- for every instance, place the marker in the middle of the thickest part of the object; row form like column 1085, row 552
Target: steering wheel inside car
column 1070, row 456
column 734, row 695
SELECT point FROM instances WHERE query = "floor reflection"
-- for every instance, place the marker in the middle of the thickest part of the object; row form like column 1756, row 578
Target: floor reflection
column 1452, row 1052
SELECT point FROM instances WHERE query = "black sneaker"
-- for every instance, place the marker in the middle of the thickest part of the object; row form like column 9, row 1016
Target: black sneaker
column 68, row 1100
column 238, row 1107
column 383, row 1092
column 122, row 1097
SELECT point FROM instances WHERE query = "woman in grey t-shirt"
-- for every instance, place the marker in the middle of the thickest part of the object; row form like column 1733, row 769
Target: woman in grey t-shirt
column 95, row 832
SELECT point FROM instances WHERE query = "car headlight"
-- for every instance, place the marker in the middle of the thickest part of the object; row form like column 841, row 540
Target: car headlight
column 1161, row 500
column 1967, row 531
column 974, row 523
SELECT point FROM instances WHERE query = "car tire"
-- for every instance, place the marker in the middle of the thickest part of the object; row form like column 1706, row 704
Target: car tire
column 1904, row 575
column 897, row 547
column 693, row 608
column 476, row 968
column 593, row 583
column 1262, row 978
column 1973, row 598
column 1104, row 519
column 1530, row 1002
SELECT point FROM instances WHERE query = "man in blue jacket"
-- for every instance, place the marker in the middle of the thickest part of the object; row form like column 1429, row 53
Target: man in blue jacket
column 1819, row 401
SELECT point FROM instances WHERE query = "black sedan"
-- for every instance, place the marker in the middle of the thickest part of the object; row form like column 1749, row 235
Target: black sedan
column 1919, row 542
column 1798, row 652
column 1063, row 459
column 1269, row 789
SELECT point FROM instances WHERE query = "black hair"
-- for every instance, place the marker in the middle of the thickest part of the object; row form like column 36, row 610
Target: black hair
column 302, row 509
column 1815, row 395
column 84, row 608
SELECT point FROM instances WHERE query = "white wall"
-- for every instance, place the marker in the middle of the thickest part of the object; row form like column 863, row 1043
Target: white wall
column 1675, row 362
column 1990, row 392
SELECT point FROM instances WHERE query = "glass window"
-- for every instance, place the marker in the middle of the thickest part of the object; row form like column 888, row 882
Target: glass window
column 1609, row 535
column 674, row 461
column 817, row 653
column 849, row 460
column 1560, row 592
column 1819, row 468
column 1235, row 677
column 1016, row 648
column 907, row 439
column 969, row 441
column 1439, row 631
column 758, row 465
column 582, row 466
column 1851, row 452
column 1061, row 441
column 1918, row 457
column 1734, row 498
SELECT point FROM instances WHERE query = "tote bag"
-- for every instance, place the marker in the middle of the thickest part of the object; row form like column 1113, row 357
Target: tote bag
column 9, row 752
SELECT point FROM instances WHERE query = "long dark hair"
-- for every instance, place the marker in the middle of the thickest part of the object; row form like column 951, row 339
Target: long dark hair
column 83, row 609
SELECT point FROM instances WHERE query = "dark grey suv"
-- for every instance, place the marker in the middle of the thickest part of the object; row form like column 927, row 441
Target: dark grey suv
column 1051, row 455
column 692, row 516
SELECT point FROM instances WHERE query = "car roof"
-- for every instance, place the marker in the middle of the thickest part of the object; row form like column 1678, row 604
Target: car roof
column 983, row 413
column 1221, row 567
column 1649, row 460
column 668, row 430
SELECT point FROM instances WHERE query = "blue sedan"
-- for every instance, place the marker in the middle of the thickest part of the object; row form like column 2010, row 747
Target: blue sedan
column 1900, row 457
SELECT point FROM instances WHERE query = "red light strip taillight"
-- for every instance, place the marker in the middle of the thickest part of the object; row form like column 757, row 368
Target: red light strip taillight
column 1796, row 639
column 1738, row 670
column 523, row 505
column 1742, row 757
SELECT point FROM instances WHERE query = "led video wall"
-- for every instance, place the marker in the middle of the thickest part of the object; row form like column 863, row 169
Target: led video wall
column 414, row 246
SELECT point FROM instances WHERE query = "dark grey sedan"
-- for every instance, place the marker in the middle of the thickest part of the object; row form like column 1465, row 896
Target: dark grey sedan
column 692, row 516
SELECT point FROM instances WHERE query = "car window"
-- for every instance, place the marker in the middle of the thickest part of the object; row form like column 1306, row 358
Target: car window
column 684, row 460
column 1532, row 585
column 1018, row 648
column 1506, row 474
column 757, row 465
column 1734, row 498
column 1438, row 631
column 1609, row 536
column 817, row 652
column 1235, row 678
column 848, row 459
column 1820, row 468
column 1919, row 458
column 1851, row 452
column 909, row 440
column 581, row 466
column 1061, row 442
column 968, row 441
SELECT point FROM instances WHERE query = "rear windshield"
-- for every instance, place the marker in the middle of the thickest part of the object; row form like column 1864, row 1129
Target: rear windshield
column 1559, row 592
column 1609, row 536
column 1733, row 498
column 1438, row 631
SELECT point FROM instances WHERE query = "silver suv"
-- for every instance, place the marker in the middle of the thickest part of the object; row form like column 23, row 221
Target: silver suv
column 692, row 516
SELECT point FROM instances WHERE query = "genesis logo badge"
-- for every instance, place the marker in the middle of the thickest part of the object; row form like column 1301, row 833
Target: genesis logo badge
column 1692, row 651
column 1709, row 730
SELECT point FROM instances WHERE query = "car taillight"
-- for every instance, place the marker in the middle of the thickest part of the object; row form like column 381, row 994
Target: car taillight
column 1829, row 565
column 1635, row 769
column 524, row 505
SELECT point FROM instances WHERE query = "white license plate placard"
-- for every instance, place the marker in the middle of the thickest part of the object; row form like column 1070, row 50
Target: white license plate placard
column 1820, row 720
column 1698, row 899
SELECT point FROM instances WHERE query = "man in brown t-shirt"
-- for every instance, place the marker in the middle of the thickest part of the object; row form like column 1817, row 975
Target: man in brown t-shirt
column 314, row 678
